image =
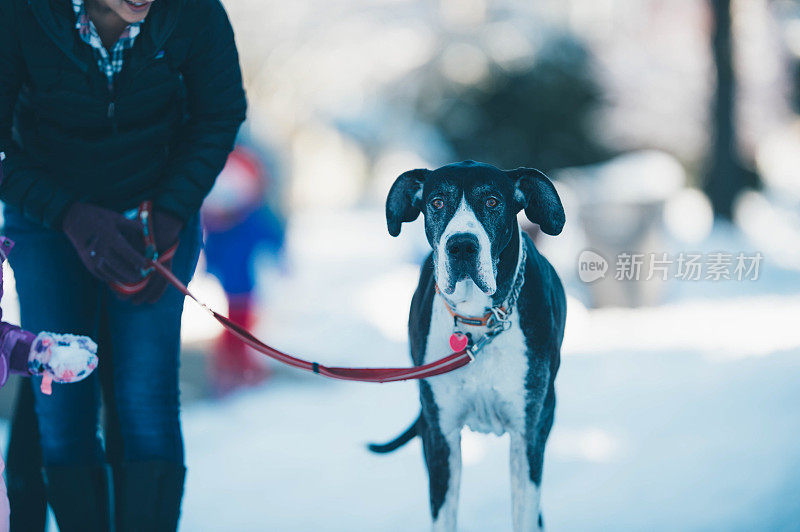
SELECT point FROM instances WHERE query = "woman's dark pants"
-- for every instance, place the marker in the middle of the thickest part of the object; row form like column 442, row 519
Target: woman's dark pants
column 138, row 347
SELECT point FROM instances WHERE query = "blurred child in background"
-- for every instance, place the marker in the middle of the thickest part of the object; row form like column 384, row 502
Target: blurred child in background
column 242, row 222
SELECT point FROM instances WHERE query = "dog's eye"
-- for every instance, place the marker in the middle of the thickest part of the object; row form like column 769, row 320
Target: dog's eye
column 437, row 203
column 492, row 203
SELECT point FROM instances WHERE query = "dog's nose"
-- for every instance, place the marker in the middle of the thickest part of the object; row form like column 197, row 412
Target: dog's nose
column 462, row 246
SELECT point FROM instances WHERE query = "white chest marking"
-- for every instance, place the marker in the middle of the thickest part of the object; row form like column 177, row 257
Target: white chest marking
column 488, row 395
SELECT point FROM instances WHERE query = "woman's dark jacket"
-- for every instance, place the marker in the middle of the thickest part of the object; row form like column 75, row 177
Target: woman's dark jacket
column 163, row 133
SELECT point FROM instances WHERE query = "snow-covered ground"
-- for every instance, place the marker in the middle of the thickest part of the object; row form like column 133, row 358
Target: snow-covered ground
column 678, row 417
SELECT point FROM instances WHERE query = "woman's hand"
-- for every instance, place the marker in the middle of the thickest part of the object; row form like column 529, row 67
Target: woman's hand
column 105, row 241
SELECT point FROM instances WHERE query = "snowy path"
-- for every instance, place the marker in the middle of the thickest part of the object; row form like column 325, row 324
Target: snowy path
column 639, row 443
column 656, row 427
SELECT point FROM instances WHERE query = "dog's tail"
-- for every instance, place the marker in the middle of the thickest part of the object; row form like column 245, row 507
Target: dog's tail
column 410, row 433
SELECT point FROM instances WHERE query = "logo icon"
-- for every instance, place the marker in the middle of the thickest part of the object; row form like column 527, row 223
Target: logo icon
column 591, row 266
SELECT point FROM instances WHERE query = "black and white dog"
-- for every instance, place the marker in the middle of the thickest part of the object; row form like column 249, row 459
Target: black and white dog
column 483, row 276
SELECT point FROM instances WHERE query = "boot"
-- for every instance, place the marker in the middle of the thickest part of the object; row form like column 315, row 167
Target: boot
column 79, row 497
column 147, row 496
column 234, row 364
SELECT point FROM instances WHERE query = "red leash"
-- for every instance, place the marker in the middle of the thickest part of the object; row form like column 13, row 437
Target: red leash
column 444, row 365
column 495, row 321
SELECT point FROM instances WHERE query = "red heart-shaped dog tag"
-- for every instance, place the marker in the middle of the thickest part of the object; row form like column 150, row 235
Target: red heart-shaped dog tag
column 458, row 341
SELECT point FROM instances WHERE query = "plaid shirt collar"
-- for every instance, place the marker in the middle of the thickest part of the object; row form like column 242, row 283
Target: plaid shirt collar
column 109, row 61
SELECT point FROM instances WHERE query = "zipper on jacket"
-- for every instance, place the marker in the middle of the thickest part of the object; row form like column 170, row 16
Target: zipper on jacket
column 112, row 110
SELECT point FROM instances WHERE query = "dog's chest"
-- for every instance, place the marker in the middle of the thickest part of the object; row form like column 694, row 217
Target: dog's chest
column 488, row 395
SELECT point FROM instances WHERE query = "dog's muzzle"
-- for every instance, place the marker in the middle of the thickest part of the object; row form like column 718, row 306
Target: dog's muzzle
column 463, row 258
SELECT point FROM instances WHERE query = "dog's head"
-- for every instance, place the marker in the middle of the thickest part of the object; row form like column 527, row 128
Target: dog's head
column 470, row 215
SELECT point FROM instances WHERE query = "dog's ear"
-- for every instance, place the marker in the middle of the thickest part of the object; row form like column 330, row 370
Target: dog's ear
column 535, row 193
column 404, row 202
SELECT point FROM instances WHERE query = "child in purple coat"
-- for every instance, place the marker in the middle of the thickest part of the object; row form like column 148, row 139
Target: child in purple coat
column 61, row 358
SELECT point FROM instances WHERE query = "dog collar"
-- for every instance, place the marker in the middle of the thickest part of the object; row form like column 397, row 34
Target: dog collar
column 475, row 321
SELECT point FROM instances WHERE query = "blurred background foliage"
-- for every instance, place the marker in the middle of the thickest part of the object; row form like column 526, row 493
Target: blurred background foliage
column 656, row 116
column 539, row 114
column 359, row 90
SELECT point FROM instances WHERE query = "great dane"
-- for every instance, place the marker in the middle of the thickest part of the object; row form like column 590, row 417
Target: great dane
column 486, row 286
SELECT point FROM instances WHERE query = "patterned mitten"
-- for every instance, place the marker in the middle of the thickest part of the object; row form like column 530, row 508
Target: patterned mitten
column 61, row 358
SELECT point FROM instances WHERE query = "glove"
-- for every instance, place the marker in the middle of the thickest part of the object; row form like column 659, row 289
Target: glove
column 61, row 358
column 166, row 229
column 109, row 245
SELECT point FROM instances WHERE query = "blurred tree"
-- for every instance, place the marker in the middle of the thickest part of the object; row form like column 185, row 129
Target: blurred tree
column 726, row 175
column 795, row 80
column 540, row 115
column 790, row 14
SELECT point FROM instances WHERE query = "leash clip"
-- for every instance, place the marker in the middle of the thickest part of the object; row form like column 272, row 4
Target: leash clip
column 499, row 322
column 143, row 214
column 500, row 314
column 478, row 346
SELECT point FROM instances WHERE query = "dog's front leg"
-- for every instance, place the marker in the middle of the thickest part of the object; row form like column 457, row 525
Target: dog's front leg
column 524, row 491
column 443, row 459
